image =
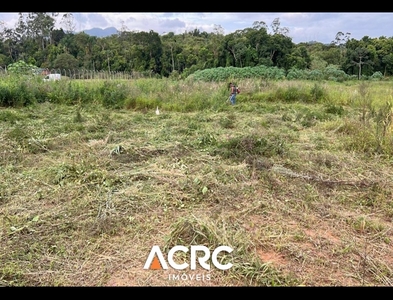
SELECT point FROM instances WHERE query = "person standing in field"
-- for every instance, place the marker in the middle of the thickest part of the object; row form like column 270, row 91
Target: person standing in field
column 232, row 96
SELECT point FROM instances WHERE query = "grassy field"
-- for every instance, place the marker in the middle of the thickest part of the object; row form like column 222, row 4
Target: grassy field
column 301, row 191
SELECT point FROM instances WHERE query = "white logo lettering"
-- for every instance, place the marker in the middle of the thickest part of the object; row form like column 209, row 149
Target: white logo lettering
column 156, row 259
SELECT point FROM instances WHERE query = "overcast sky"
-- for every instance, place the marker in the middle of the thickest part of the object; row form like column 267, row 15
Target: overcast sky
column 303, row 27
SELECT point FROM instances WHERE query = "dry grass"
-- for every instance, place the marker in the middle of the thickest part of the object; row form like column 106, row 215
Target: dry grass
column 85, row 195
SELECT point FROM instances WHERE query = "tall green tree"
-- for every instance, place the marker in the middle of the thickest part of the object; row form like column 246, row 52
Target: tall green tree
column 358, row 58
column 280, row 47
column 277, row 29
column 236, row 45
column 40, row 26
column 299, row 58
column 215, row 46
column 68, row 21
column 170, row 49
column 340, row 42
column 65, row 61
column 384, row 51
column 257, row 38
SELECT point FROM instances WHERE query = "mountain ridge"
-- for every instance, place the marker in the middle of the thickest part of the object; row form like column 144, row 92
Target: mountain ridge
column 99, row 32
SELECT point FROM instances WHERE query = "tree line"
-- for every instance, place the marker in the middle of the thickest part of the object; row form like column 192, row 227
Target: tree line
column 35, row 40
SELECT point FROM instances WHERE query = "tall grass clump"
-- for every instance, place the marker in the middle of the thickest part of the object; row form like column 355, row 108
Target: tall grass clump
column 241, row 148
column 19, row 90
column 318, row 93
column 113, row 94
column 383, row 132
column 69, row 92
column 290, row 94
column 10, row 116
column 297, row 91
column 371, row 131
column 6, row 98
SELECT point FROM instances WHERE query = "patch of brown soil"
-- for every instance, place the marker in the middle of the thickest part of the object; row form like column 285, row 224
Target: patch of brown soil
column 272, row 257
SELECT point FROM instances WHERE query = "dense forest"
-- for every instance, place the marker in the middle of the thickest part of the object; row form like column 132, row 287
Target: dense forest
column 35, row 40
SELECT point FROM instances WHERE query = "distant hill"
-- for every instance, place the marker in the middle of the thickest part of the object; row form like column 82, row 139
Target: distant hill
column 98, row 32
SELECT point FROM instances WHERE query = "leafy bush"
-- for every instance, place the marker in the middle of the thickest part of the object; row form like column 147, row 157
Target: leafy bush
column 333, row 73
column 315, row 75
column 297, row 74
column 20, row 67
column 376, row 76
column 222, row 74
